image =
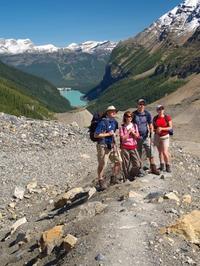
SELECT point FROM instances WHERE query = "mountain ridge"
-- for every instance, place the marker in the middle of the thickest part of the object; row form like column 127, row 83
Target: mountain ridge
column 80, row 66
column 19, row 46
column 172, row 55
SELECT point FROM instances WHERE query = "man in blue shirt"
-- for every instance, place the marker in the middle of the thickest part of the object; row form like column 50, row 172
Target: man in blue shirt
column 143, row 119
column 106, row 147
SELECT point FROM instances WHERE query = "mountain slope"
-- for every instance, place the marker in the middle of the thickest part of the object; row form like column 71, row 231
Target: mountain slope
column 36, row 88
column 79, row 66
column 155, row 62
column 12, row 101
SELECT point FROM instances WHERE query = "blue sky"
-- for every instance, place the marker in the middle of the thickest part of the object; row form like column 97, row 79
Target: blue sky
column 62, row 22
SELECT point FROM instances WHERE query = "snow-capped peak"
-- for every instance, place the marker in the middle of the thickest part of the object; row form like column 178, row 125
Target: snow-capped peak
column 182, row 19
column 193, row 3
column 176, row 26
column 92, row 46
column 12, row 46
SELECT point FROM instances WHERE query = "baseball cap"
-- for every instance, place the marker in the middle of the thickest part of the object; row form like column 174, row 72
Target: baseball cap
column 141, row 101
column 160, row 106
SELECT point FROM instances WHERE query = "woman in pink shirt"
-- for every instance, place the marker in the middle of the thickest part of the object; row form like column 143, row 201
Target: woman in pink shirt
column 128, row 138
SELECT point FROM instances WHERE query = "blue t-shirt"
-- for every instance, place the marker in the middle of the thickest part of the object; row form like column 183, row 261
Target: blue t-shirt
column 142, row 120
column 106, row 125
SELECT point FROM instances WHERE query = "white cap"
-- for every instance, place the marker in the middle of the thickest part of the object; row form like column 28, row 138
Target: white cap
column 159, row 106
column 141, row 101
column 111, row 108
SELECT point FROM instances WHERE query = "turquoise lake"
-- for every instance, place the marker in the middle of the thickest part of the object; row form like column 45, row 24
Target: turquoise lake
column 74, row 97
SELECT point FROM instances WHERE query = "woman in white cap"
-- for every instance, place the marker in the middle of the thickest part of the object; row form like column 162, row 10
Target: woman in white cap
column 163, row 128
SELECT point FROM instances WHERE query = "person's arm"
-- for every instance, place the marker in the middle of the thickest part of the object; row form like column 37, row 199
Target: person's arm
column 134, row 132
column 123, row 135
column 100, row 131
column 103, row 135
column 150, row 125
column 151, row 129
column 159, row 129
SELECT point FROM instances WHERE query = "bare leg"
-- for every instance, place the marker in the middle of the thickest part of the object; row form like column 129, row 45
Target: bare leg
column 116, row 169
column 166, row 154
column 100, row 171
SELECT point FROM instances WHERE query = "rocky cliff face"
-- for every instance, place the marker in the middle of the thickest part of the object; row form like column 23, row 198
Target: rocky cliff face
column 176, row 26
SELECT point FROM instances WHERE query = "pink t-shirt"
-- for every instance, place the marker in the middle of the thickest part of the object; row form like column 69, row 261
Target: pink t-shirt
column 130, row 142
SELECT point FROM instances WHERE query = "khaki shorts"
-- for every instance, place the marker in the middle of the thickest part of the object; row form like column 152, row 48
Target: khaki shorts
column 104, row 154
column 164, row 140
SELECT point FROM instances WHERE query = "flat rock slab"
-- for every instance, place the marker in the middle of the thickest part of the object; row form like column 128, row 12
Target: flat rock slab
column 188, row 226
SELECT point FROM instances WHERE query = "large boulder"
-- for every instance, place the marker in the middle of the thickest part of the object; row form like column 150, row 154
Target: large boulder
column 51, row 238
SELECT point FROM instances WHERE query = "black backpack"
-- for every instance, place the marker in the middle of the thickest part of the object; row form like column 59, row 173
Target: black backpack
column 97, row 117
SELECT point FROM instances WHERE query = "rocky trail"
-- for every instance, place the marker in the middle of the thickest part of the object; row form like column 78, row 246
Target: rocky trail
column 51, row 214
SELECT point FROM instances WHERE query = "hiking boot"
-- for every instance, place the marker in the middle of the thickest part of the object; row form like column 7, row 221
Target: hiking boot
column 114, row 180
column 162, row 166
column 145, row 167
column 140, row 174
column 102, row 184
column 154, row 170
column 168, row 168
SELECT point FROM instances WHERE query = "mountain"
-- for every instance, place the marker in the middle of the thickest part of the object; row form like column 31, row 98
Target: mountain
column 153, row 63
column 25, row 94
column 12, row 46
column 92, row 47
column 79, row 66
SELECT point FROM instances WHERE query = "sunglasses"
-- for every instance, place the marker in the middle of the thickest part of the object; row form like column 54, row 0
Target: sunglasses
column 141, row 104
column 128, row 116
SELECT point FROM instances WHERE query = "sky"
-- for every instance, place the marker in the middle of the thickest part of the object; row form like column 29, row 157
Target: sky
column 61, row 22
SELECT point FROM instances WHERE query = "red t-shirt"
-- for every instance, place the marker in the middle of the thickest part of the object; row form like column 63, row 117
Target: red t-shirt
column 161, row 122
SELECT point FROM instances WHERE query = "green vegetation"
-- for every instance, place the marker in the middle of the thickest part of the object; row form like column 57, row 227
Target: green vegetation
column 133, row 59
column 16, row 103
column 125, row 93
column 36, row 88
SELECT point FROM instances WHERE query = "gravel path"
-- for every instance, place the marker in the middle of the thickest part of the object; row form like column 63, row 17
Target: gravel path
column 127, row 232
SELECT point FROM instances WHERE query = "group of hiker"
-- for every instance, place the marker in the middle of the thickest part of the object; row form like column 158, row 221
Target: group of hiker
column 138, row 135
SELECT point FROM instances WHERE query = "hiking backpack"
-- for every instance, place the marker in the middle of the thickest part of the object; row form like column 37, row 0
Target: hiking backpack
column 147, row 116
column 97, row 117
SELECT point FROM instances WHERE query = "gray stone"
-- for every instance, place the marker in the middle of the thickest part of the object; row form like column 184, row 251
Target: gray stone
column 100, row 257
